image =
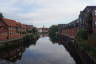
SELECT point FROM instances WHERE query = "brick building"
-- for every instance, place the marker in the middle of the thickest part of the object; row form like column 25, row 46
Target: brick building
column 86, row 21
column 69, row 29
column 10, row 29
column 83, row 18
column 3, row 29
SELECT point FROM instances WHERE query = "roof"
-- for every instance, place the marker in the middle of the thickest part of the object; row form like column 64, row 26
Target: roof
column 23, row 26
column 89, row 8
column 19, row 24
column 10, row 22
column 13, row 23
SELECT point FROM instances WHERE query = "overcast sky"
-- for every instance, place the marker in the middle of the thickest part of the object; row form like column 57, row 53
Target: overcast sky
column 43, row 12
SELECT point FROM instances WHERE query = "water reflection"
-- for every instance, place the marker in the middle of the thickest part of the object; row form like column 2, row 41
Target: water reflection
column 13, row 52
column 45, row 52
column 42, row 51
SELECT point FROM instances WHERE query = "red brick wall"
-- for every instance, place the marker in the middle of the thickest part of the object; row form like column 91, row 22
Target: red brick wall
column 3, row 31
column 70, row 32
column 14, row 36
column 3, row 36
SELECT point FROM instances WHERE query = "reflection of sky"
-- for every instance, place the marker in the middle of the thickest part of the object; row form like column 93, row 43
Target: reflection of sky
column 46, row 53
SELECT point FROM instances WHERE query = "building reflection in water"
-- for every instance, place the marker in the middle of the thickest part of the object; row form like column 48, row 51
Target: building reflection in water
column 14, row 52
column 44, row 35
column 25, row 52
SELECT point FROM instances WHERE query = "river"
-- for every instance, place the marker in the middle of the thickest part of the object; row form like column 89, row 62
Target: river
column 45, row 52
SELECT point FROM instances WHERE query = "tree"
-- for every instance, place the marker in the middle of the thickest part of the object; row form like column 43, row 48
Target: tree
column 52, row 32
column 34, row 30
column 1, row 16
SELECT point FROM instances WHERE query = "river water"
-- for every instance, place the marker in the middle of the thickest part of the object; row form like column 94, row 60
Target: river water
column 45, row 52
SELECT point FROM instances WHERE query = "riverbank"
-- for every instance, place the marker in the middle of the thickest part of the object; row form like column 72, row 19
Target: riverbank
column 43, row 51
column 12, row 50
column 88, row 45
column 28, row 37
column 78, row 54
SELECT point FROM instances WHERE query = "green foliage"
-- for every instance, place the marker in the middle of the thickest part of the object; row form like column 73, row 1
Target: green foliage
column 23, row 32
column 34, row 30
column 52, row 32
column 82, row 38
column 1, row 16
column 82, row 35
column 29, row 31
column 29, row 36
column 32, row 36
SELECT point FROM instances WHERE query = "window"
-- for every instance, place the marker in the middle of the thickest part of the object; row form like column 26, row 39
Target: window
column 95, row 23
column 95, row 12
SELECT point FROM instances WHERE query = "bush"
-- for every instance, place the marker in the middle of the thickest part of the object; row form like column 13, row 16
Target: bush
column 29, row 31
column 82, row 35
column 52, row 32
column 23, row 32
column 31, row 37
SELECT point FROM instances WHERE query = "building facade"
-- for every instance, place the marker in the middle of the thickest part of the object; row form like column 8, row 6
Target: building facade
column 86, row 21
column 11, row 29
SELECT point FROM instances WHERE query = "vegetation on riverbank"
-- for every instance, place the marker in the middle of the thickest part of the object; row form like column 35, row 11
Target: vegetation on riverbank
column 53, row 32
column 86, row 38
column 28, row 39
column 87, row 42
column 12, row 52
column 33, row 35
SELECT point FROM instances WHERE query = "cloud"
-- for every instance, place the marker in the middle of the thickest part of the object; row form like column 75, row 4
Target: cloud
column 43, row 12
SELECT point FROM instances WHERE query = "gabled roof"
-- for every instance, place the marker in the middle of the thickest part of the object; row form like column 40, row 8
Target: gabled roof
column 9, row 22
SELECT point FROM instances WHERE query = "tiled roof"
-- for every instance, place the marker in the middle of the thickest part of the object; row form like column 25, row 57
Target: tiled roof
column 13, row 23
column 23, row 26
column 28, row 27
column 10, row 22
column 19, row 24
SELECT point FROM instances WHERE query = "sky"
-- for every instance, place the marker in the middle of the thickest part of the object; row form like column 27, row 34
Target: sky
column 43, row 12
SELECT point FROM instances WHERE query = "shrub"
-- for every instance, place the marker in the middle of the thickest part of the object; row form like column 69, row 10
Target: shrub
column 82, row 35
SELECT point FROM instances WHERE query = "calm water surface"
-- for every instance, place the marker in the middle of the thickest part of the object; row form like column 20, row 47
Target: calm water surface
column 45, row 52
